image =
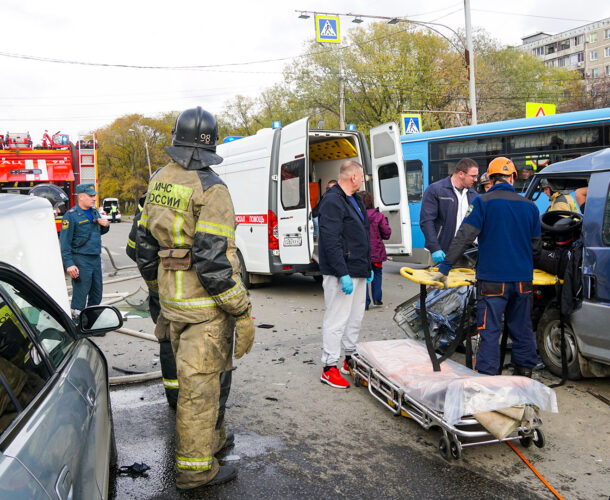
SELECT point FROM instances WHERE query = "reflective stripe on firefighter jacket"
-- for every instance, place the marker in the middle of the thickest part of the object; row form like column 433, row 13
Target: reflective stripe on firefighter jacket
column 190, row 209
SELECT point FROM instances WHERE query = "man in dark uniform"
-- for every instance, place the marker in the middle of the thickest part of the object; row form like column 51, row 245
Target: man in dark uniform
column 166, row 353
column 508, row 228
column 81, row 246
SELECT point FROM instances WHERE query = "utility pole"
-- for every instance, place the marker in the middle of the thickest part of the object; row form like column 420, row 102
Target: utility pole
column 341, row 98
column 470, row 63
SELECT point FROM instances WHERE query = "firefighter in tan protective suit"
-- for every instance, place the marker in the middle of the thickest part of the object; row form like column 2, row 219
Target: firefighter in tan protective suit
column 185, row 247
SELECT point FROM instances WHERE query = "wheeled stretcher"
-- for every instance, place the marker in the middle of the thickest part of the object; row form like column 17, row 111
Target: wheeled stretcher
column 470, row 408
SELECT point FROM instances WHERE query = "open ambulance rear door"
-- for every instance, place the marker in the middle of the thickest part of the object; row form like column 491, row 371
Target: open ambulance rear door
column 294, row 234
column 390, row 186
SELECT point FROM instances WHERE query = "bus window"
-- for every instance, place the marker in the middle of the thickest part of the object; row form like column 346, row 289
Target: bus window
column 415, row 180
column 556, row 140
column 389, row 184
column 472, row 148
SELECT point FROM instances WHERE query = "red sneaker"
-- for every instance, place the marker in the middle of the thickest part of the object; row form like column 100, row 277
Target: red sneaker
column 346, row 369
column 333, row 378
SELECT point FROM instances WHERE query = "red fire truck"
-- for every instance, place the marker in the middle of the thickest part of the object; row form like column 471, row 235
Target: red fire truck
column 51, row 171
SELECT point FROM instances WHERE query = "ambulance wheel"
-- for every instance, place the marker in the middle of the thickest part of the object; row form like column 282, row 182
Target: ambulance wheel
column 548, row 336
column 539, row 439
column 443, row 448
column 456, row 449
column 318, row 278
column 245, row 275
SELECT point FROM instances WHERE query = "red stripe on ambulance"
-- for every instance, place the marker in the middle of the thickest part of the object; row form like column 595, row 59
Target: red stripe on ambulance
column 251, row 218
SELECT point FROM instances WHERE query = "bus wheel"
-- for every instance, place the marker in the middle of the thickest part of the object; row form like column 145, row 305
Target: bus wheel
column 548, row 336
column 245, row 275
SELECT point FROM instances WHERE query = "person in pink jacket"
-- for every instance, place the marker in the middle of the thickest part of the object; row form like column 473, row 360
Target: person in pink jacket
column 380, row 230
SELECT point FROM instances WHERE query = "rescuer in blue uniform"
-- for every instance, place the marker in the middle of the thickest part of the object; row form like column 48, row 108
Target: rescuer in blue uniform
column 81, row 247
column 508, row 228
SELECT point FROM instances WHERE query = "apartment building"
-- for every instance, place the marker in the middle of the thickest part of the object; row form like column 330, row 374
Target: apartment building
column 585, row 49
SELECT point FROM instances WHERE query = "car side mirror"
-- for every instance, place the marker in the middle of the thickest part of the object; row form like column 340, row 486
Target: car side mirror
column 99, row 319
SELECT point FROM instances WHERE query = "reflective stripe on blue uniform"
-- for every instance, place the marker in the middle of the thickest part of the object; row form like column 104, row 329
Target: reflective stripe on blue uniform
column 81, row 246
column 513, row 300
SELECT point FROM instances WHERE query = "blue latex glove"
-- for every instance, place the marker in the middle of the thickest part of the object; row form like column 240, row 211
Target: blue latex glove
column 370, row 278
column 347, row 285
column 438, row 256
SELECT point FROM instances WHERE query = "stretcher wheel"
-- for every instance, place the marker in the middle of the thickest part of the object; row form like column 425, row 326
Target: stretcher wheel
column 526, row 441
column 443, row 448
column 539, row 439
column 357, row 381
column 456, row 449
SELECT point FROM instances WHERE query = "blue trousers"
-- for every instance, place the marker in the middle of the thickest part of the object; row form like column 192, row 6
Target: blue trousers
column 375, row 286
column 514, row 301
column 89, row 281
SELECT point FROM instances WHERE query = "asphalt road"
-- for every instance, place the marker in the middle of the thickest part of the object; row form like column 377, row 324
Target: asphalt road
column 298, row 438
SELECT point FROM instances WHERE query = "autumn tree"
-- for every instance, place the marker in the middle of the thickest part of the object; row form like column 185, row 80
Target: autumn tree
column 389, row 69
column 122, row 161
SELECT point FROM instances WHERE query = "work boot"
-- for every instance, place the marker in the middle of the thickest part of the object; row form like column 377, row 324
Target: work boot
column 225, row 474
column 523, row 372
column 333, row 378
column 377, row 302
column 230, row 441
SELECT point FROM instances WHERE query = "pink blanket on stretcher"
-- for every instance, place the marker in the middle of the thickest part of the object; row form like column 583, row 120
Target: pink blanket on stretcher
column 456, row 390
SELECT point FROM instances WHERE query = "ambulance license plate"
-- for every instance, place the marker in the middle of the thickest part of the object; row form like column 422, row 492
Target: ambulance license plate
column 293, row 240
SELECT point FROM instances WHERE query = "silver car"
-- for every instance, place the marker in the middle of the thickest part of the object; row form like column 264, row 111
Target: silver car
column 56, row 430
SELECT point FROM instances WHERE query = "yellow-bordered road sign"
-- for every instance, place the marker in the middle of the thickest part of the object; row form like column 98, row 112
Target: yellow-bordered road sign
column 535, row 109
column 411, row 124
column 327, row 29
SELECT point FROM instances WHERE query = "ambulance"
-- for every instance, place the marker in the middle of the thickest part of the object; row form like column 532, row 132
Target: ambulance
column 277, row 177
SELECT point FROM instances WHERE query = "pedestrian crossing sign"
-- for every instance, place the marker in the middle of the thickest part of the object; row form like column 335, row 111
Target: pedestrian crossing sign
column 411, row 124
column 327, row 29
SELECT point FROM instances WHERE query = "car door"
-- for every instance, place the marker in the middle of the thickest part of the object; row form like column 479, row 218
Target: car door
column 590, row 321
column 62, row 433
column 390, row 186
column 293, row 195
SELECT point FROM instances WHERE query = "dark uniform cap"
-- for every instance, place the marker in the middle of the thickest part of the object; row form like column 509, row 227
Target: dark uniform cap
column 86, row 188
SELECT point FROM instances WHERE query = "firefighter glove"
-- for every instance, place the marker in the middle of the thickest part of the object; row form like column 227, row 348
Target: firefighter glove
column 438, row 256
column 347, row 285
column 244, row 333
column 440, row 279
column 370, row 278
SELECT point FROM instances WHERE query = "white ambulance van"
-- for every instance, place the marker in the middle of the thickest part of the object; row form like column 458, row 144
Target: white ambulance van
column 277, row 176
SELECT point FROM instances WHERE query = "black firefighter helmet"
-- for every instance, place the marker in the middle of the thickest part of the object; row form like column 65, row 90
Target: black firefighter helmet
column 56, row 196
column 194, row 138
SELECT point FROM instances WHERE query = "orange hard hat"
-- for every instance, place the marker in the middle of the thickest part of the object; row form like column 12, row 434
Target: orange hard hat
column 502, row 166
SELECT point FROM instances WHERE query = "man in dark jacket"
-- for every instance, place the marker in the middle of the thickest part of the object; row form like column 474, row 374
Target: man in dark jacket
column 444, row 206
column 508, row 228
column 345, row 264
column 166, row 354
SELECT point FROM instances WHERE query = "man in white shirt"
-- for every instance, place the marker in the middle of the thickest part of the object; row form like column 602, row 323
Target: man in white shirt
column 445, row 204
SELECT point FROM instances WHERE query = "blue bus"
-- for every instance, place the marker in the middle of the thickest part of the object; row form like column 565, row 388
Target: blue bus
column 538, row 142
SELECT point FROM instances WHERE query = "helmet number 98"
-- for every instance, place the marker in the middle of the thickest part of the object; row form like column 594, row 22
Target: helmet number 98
column 205, row 138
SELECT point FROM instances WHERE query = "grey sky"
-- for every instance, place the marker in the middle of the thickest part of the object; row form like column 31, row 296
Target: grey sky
column 37, row 95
